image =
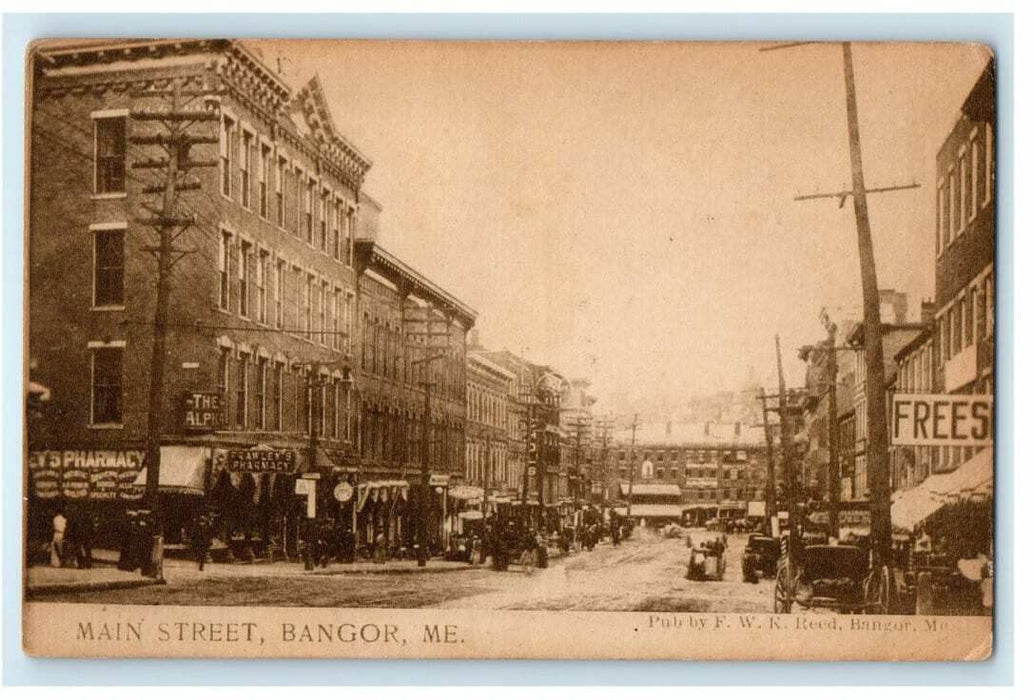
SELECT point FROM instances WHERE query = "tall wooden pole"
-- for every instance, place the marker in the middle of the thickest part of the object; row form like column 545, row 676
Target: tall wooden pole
column 876, row 417
column 833, row 437
column 770, row 470
column 632, row 466
column 425, row 479
column 790, row 476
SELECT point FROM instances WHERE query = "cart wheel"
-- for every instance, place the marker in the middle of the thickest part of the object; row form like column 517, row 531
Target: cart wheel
column 878, row 591
column 783, row 592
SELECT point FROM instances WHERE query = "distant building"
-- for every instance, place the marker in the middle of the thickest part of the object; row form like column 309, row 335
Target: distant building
column 488, row 395
column 719, row 468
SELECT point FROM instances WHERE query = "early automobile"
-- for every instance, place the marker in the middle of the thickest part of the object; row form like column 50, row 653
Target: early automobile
column 761, row 558
column 707, row 560
column 835, row 577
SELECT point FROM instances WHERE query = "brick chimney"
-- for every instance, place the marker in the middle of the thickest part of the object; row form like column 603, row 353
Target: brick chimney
column 927, row 309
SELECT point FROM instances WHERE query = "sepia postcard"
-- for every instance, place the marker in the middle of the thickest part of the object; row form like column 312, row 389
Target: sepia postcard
column 552, row 350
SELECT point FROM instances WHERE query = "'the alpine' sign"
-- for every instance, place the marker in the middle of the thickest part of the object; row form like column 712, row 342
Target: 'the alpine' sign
column 958, row 420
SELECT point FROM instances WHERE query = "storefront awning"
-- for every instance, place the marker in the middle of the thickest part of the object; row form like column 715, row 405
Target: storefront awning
column 465, row 492
column 182, row 470
column 384, row 491
column 656, row 510
column 651, row 489
column 972, row 479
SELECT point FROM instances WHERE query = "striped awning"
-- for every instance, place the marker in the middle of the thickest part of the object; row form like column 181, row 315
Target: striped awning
column 972, row 479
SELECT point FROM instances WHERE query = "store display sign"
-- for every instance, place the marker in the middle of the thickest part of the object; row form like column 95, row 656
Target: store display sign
column 86, row 474
column 956, row 420
column 202, row 412
column 261, row 461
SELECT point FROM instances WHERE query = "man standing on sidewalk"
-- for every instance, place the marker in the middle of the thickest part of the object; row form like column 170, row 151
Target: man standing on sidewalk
column 57, row 540
column 201, row 539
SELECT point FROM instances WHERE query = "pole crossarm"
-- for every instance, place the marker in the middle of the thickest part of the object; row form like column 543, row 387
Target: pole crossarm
column 843, row 195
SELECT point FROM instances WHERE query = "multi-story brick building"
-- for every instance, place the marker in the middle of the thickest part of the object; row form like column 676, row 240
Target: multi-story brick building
column 964, row 338
column 719, row 468
column 272, row 303
column 404, row 319
column 488, row 392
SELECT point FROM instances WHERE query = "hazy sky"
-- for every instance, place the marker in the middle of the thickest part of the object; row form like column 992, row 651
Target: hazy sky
column 625, row 212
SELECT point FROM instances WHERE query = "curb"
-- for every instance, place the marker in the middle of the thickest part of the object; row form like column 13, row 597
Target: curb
column 392, row 572
column 91, row 587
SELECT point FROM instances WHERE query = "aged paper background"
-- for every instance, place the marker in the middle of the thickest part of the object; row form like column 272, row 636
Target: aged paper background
column 600, row 240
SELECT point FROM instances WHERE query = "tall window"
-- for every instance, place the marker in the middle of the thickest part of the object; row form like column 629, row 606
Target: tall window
column 336, row 230
column 241, row 415
column 954, row 202
column 957, row 328
column 265, row 169
column 243, row 260
column 968, row 317
column 300, row 302
column 940, row 227
column 278, row 294
column 348, row 237
column 223, row 376
column 226, row 141
column 335, row 319
column 279, row 186
column 106, row 390
column 977, row 174
column 310, row 292
column 109, row 264
column 260, row 393
column 980, row 311
column 961, row 189
column 989, row 306
column 323, row 221
column 247, row 146
column 262, row 272
column 989, row 160
column 308, row 217
column 299, row 198
column 110, row 155
column 322, row 304
column 224, row 270
column 278, row 396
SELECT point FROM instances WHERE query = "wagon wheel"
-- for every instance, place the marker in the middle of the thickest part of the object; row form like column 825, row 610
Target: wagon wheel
column 783, row 591
column 878, row 591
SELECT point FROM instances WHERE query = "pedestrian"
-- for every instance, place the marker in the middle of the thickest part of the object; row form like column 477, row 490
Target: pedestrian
column 528, row 551
column 57, row 539
column 86, row 536
column 201, row 539
column 379, row 547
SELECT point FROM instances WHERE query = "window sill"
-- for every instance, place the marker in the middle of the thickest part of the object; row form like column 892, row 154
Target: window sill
column 106, row 426
column 109, row 307
column 108, row 195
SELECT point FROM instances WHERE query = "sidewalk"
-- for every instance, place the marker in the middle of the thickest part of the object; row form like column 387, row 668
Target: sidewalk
column 104, row 575
column 47, row 579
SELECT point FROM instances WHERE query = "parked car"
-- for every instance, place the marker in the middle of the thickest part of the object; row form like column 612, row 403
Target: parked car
column 761, row 557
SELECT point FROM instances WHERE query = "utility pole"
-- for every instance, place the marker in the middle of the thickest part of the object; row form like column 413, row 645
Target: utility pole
column 605, row 439
column 790, row 476
column 313, row 382
column 876, row 417
column 425, row 467
column 833, row 437
column 632, row 465
column 877, row 469
column 176, row 143
column 485, row 476
column 770, row 470
column 579, row 426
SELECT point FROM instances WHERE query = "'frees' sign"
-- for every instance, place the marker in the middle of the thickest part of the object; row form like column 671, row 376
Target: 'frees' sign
column 958, row 420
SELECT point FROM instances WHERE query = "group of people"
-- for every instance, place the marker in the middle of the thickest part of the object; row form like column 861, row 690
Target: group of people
column 510, row 538
column 71, row 542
